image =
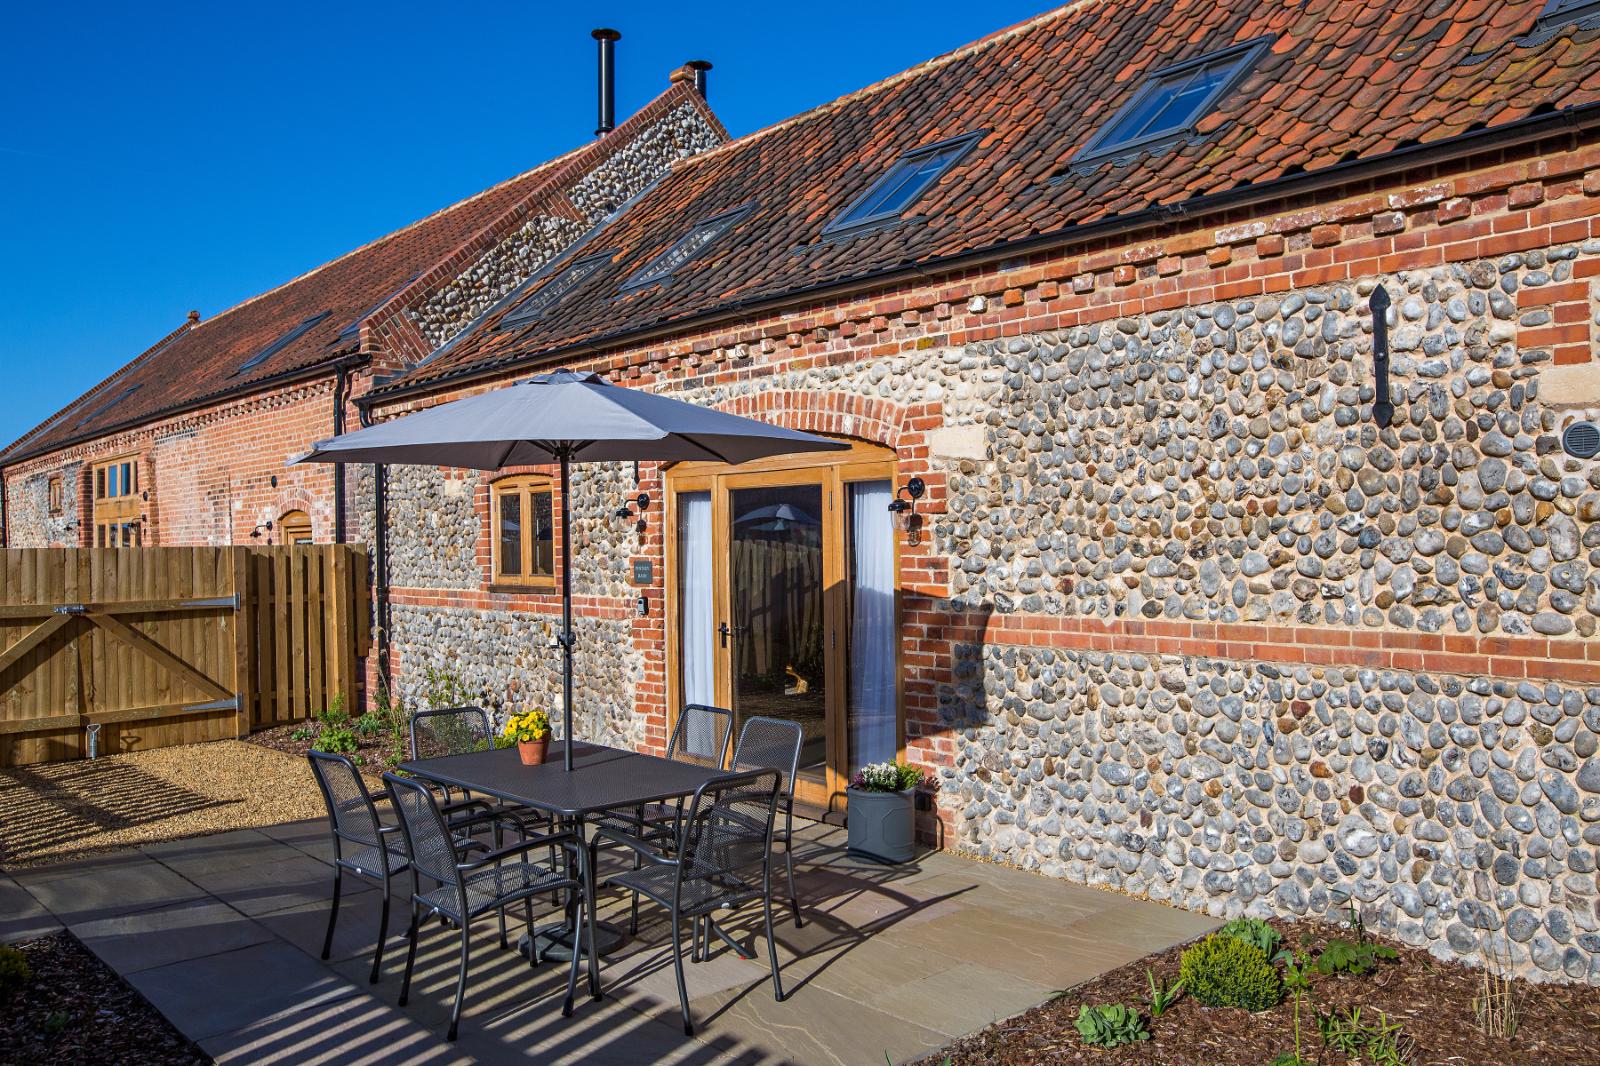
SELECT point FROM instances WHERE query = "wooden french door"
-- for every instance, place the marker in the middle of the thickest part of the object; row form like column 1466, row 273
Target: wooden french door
column 765, row 564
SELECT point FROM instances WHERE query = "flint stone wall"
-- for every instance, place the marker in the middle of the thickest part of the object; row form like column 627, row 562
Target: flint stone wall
column 624, row 174
column 506, row 658
column 1220, row 463
column 28, row 509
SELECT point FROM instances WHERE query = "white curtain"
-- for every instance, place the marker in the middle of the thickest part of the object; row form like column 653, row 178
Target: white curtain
column 697, row 626
column 872, row 624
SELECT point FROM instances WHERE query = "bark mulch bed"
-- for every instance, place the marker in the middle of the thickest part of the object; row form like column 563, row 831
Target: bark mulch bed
column 1432, row 1000
column 58, row 811
column 374, row 750
column 76, row 1010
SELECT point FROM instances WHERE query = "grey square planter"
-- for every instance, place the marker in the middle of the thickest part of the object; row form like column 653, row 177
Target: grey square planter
column 882, row 825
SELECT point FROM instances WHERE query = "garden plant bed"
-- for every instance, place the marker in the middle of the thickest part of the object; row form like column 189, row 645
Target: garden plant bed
column 372, row 753
column 1432, row 1001
column 76, row 1010
column 59, row 811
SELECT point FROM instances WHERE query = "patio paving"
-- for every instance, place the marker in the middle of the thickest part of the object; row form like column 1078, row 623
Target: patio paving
column 223, row 934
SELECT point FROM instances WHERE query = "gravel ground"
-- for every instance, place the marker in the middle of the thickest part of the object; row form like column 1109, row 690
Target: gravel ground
column 57, row 811
column 1432, row 1000
column 76, row 1010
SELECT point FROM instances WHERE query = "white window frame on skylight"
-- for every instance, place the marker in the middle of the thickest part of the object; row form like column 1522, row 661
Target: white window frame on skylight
column 282, row 342
column 555, row 289
column 702, row 236
column 1241, row 59
column 904, row 174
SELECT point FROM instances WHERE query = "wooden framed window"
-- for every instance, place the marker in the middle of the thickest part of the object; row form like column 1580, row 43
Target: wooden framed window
column 520, row 530
column 294, row 527
column 117, row 504
column 56, row 494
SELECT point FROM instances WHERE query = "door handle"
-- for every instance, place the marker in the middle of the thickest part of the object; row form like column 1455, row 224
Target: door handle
column 725, row 632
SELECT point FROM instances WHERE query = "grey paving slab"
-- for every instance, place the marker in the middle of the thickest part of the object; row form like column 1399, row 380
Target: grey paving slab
column 222, row 851
column 355, row 934
column 353, row 1031
column 133, row 883
column 21, row 916
column 291, row 880
column 146, row 939
column 216, row 994
column 816, row 1027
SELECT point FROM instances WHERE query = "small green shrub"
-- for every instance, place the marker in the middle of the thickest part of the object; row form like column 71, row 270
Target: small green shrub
column 340, row 739
column 14, row 972
column 1162, row 995
column 1254, row 931
column 1223, row 971
column 370, row 724
column 301, row 733
column 1110, row 1025
column 1289, row 1058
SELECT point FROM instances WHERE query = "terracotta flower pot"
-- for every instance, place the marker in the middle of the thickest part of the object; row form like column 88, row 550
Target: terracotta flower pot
column 532, row 752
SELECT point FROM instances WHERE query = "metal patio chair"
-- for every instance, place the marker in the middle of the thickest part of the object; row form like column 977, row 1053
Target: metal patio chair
column 362, row 843
column 774, row 744
column 467, row 890
column 459, row 731
column 700, row 736
column 722, row 858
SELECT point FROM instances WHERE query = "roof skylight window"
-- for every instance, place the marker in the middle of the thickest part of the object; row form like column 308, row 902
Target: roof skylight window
column 689, row 246
column 282, row 342
column 550, row 293
column 906, row 180
column 101, row 409
column 1172, row 100
column 1560, row 12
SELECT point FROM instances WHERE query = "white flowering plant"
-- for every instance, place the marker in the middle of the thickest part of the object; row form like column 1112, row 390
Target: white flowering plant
column 887, row 777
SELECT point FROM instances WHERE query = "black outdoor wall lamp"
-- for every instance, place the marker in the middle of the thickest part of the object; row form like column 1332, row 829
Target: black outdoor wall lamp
column 906, row 518
column 642, row 502
column 1382, row 409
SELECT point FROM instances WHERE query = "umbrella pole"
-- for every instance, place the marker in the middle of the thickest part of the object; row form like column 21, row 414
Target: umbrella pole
column 566, row 613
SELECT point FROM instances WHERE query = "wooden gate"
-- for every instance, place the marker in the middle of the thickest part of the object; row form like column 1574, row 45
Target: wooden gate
column 164, row 646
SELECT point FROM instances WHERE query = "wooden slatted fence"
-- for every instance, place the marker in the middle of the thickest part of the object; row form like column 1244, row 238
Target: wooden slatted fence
column 165, row 646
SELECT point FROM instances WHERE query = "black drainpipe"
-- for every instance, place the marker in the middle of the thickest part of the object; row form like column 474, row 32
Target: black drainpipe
column 5, row 519
column 341, row 385
column 380, row 558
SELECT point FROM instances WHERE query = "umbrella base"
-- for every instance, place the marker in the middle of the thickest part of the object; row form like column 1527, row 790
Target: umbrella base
column 555, row 941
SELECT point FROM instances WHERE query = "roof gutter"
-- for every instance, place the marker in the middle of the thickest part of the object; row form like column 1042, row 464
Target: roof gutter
column 333, row 365
column 1522, row 131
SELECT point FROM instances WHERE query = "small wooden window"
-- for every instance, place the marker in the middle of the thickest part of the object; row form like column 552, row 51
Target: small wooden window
column 294, row 527
column 56, row 494
column 117, row 504
column 520, row 531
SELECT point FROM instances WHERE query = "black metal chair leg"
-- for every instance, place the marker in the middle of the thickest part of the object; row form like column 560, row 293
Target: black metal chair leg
column 572, row 971
column 794, row 897
column 677, row 969
column 383, row 936
column 594, row 943
column 333, row 913
column 411, row 955
column 772, row 948
column 461, row 986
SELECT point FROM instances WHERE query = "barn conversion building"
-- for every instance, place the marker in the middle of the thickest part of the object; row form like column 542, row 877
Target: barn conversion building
column 1130, row 548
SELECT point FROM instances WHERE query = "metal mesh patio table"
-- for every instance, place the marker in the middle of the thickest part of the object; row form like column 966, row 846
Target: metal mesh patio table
column 601, row 779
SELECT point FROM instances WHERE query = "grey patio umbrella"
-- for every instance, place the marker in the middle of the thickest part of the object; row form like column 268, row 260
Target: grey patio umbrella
column 565, row 417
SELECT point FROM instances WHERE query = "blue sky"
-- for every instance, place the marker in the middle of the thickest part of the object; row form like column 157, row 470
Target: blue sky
column 157, row 158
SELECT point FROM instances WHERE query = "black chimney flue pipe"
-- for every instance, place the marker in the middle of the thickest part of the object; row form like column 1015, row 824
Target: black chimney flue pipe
column 607, row 40
column 700, row 67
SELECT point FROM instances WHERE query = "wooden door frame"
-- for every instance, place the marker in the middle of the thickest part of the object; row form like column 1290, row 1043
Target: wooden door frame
column 833, row 472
